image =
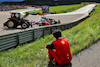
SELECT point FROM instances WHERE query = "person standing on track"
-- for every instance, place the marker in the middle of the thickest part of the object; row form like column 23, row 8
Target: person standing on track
column 59, row 50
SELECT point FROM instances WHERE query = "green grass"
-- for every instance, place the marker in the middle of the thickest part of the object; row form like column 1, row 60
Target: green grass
column 35, row 54
column 64, row 7
column 59, row 8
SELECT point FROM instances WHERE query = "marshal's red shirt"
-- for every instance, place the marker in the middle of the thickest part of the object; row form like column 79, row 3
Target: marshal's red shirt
column 62, row 48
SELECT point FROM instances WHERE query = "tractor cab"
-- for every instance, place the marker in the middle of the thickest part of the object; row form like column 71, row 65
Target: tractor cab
column 16, row 15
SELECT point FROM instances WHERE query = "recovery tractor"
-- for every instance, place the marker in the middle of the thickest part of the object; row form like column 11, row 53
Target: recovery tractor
column 17, row 19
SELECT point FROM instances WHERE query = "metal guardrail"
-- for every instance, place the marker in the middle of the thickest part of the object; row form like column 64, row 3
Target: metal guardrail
column 33, row 34
column 8, row 41
column 11, row 40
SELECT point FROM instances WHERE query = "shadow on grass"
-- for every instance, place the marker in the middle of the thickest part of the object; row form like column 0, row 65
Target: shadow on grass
column 51, row 65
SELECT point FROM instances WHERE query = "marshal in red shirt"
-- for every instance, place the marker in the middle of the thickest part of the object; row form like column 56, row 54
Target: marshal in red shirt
column 60, row 51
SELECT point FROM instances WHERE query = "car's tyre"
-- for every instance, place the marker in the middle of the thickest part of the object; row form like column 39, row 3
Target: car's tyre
column 40, row 24
column 43, row 24
column 11, row 24
column 24, row 25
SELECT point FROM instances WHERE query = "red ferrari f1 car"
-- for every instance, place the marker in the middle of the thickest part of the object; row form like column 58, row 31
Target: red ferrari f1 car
column 46, row 21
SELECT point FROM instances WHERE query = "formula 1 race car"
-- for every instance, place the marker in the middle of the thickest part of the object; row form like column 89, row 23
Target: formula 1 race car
column 47, row 21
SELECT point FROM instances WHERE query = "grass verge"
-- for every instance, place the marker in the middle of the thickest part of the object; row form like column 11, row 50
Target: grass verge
column 60, row 8
column 35, row 54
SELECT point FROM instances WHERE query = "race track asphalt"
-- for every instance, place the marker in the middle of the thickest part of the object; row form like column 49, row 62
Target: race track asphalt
column 89, row 57
column 4, row 17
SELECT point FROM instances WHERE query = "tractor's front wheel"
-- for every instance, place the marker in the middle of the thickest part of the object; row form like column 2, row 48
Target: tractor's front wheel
column 24, row 25
column 11, row 24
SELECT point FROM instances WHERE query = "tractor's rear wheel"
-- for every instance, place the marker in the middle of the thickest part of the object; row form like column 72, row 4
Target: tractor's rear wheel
column 11, row 24
column 25, row 25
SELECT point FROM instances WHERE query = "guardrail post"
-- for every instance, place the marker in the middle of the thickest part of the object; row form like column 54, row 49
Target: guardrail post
column 17, row 39
column 51, row 29
column 33, row 36
column 43, row 32
column 71, row 25
column 61, row 27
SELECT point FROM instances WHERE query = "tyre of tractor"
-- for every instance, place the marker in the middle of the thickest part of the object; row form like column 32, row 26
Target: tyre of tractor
column 24, row 25
column 11, row 24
